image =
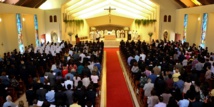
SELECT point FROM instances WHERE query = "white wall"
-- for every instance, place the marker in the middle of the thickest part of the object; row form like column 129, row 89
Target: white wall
column 197, row 37
column 9, row 42
column 83, row 31
column 167, row 7
column 144, row 30
column 193, row 29
column 8, row 32
column 28, row 29
column 210, row 28
column 52, row 26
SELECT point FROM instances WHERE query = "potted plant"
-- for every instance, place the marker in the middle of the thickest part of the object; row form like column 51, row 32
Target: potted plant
column 150, row 36
column 70, row 34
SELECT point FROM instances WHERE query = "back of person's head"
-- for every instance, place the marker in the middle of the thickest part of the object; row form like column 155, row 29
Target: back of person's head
column 149, row 80
column 69, row 86
column 192, row 88
column 79, row 85
column 180, row 78
column 90, row 87
column 21, row 104
column 172, row 101
column 75, row 100
column 153, row 92
column 41, row 85
column 208, row 67
column 170, row 76
column 188, row 79
column 30, row 86
column 185, row 96
column 8, row 98
column 160, row 98
column 68, row 77
column 3, row 73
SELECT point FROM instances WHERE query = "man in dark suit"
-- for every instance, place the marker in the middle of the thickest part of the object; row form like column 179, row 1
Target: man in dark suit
column 30, row 95
column 60, row 97
column 41, row 93
column 69, row 95
column 91, row 95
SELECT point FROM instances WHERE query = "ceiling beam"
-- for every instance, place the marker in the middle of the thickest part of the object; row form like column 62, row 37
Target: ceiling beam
column 39, row 3
column 181, row 3
column 210, row 1
column 204, row 2
column 21, row 2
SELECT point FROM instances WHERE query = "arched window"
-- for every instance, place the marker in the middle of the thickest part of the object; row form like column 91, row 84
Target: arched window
column 50, row 19
column 165, row 18
column 169, row 18
column 55, row 18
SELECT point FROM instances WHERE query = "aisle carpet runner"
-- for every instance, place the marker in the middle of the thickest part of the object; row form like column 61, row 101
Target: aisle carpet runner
column 118, row 94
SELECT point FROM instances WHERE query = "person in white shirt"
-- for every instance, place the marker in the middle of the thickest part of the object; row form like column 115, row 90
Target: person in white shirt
column 68, row 81
column 82, row 56
column 184, row 62
column 95, row 78
column 76, row 80
column 143, row 56
column 53, row 66
column 70, row 52
column 148, row 88
column 161, row 103
column 86, row 81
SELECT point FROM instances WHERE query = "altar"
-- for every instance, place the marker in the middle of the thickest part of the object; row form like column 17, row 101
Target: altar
column 110, row 37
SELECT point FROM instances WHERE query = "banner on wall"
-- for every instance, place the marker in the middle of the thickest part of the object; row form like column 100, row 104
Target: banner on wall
column 36, row 30
column 204, row 29
column 20, row 36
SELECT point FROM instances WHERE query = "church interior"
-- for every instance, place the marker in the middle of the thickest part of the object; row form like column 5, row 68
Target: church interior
column 115, row 37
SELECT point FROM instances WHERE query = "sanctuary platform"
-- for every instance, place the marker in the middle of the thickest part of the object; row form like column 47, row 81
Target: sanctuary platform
column 110, row 37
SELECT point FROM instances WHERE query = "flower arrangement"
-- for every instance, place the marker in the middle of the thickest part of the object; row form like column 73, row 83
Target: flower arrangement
column 70, row 33
column 150, row 34
column 144, row 22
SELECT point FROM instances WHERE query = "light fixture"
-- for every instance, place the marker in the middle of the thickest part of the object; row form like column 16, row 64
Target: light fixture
column 23, row 19
column 196, row 2
column 2, row 0
column 199, row 18
column 0, row 20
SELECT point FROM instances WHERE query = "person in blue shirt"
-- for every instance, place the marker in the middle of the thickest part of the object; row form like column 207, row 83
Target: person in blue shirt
column 50, row 96
column 152, row 77
column 179, row 84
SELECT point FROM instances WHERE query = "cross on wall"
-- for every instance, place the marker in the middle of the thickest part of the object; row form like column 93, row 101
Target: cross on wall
column 109, row 12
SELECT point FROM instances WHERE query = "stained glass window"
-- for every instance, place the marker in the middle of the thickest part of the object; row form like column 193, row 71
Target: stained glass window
column 36, row 30
column 20, row 36
column 204, row 29
column 185, row 27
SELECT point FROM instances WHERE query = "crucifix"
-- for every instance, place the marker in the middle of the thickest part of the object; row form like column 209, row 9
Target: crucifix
column 109, row 12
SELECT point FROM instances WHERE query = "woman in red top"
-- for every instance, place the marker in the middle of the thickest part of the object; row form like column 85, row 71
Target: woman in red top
column 64, row 71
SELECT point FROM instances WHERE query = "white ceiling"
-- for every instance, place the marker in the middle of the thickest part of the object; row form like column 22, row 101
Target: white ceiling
column 52, row 4
column 134, row 9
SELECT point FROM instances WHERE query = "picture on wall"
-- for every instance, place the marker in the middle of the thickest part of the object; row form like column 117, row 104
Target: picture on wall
column 20, row 35
column 54, row 37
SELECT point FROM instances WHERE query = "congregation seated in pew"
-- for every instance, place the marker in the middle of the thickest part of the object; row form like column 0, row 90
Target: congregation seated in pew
column 49, row 73
column 180, row 74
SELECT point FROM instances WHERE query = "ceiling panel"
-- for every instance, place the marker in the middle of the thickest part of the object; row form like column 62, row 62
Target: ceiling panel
column 134, row 9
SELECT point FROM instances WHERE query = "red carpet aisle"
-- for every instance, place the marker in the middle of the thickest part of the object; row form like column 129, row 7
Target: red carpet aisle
column 117, row 91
